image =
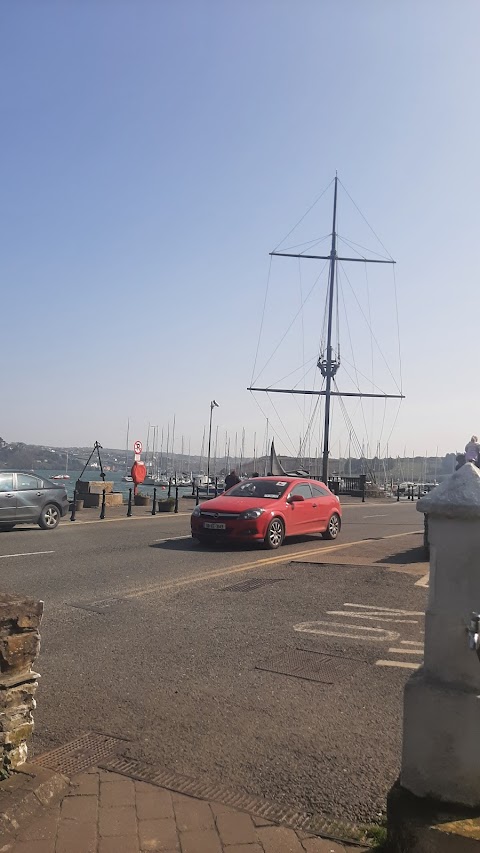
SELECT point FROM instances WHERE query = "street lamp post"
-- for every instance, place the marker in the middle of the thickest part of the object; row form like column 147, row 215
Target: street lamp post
column 213, row 404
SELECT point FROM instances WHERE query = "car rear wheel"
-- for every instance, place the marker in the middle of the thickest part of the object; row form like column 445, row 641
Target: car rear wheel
column 5, row 528
column 49, row 517
column 275, row 534
column 334, row 526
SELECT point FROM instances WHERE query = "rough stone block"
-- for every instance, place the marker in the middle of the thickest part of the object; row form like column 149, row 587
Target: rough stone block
column 20, row 650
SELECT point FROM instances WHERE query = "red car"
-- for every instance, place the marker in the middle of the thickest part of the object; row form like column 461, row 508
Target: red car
column 267, row 509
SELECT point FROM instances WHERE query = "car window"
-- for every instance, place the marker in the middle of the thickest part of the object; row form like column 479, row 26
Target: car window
column 6, row 482
column 258, row 488
column 318, row 491
column 302, row 489
column 26, row 481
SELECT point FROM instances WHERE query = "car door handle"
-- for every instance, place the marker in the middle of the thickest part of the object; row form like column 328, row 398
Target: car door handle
column 10, row 495
column 39, row 494
column 314, row 505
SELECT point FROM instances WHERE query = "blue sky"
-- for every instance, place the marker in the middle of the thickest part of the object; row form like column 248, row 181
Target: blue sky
column 153, row 153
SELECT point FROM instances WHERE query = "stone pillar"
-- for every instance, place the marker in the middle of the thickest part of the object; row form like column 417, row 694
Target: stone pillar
column 441, row 729
column 19, row 647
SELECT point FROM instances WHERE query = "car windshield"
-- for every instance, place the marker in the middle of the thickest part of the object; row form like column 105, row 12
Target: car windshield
column 258, row 488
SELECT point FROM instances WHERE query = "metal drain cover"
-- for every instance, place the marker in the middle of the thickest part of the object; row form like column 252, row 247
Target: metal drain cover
column 295, row 818
column 311, row 666
column 80, row 754
column 250, row 584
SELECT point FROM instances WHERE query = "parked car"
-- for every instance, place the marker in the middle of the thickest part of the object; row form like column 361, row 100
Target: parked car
column 267, row 509
column 25, row 498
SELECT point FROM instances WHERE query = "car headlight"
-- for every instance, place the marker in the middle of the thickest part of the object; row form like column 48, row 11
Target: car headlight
column 196, row 511
column 251, row 513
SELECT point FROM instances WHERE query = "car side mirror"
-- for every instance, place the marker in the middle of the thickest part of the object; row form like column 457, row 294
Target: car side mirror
column 293, row 499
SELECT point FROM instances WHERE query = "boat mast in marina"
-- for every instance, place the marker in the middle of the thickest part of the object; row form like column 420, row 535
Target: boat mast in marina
column 329, row 362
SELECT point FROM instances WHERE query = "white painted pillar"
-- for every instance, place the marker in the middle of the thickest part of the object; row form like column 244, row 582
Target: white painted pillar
column 441, row 735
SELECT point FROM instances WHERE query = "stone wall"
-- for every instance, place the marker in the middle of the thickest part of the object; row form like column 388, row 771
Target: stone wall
column 19, row 647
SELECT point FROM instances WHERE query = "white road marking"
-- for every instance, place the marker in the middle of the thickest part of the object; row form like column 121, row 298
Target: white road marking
column 172, row 538
column 352, row 632
column 379, row 609
column 398, row 663
column 405, row 651
column 424, row 581
column 27, row 554
column 412, row 643
column 374, row 617
column 379, row 515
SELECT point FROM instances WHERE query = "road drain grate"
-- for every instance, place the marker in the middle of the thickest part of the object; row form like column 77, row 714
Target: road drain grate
column 294, row 818
column 80, row 754
column 250, row 584
column 311, row 666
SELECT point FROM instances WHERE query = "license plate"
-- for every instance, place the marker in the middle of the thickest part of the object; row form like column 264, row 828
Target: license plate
column 214, row 525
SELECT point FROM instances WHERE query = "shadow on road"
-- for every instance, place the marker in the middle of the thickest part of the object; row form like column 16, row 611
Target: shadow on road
column 411, row 555
column 228, row 546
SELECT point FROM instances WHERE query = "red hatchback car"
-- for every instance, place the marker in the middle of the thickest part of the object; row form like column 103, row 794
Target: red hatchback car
column 267, row 509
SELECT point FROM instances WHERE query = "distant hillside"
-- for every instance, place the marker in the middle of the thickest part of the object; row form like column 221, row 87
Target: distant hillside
column 20, row 456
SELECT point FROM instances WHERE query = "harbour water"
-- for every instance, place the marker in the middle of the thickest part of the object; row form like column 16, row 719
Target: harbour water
column 116, row 478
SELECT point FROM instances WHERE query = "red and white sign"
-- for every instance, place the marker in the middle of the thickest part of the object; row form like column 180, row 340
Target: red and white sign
column 138, row 447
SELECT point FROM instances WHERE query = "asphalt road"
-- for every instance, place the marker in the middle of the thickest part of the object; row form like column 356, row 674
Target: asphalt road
column 142, row 638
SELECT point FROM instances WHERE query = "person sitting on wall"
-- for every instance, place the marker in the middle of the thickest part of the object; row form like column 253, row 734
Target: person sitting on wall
column 472, row 451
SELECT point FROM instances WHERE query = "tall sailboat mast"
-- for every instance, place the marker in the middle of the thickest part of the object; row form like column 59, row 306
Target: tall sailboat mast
column 329, row 363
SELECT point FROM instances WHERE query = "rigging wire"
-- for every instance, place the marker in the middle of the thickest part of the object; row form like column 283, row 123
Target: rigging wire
column 291, row 324
column 262, row 320
column 314, row 242
column 365, row 219
column 370, row 329
column 305, row 214
column 398, row 328
column 353, row 355
column 269, row 421
column 369, row 308
column 350, row 244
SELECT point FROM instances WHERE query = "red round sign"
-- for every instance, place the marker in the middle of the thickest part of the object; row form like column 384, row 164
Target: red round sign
column 138, row 472
column 138, row 447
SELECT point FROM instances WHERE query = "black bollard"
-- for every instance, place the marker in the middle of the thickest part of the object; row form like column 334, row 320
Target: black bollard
column 197, row 499
column 129, row 510
column 102, row 513
column 398, row 492
column 176, row 499
column 193, row 488
column 154, row 505
column 72, row 517
column 169, row 487
column 216, row 486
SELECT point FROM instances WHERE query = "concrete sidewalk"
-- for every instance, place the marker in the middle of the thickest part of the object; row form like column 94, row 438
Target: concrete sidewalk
column 105, row 812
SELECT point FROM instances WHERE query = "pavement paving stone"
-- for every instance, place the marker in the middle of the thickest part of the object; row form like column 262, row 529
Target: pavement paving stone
column 158, row 835
column 85, row 784
column 260, row 821
column 125, row 844
column 43, row 828
column 323, row 845
column 193, row 815
column 236, row 829
column 200, row 841
column 152, row 804
column 117, row 820
column 81, row 809
column 46, row 846
column 76, row 838
column 244, row 848
column 279, row 839
column 121, row 793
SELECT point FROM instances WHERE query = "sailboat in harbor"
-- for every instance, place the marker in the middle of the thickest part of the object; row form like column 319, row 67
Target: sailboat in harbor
column 65, row 476
column 127, row 478
column 328, row 361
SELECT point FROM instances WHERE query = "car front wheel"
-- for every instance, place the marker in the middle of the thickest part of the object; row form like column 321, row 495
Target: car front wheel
column 275, row 534
column 334, row 526
column 49, row 517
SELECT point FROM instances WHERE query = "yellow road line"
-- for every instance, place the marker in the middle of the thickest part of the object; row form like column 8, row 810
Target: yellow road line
column 244, row 567
column 146, row 517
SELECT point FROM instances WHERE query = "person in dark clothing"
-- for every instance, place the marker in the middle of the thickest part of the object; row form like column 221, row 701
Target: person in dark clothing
column 231, row 480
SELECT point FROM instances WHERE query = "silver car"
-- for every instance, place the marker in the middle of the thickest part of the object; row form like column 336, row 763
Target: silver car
column 25, row 498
